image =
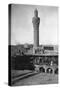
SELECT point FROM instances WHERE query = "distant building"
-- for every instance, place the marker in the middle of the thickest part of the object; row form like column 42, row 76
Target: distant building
column 48, row 48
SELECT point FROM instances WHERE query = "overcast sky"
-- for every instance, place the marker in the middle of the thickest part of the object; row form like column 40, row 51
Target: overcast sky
column 22, row 27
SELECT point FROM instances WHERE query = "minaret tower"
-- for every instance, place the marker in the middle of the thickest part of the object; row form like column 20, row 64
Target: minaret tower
column 36, row 21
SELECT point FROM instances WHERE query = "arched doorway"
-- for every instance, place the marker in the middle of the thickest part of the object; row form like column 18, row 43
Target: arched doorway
column 42, row 69
column 49, row 70
column 56, row 71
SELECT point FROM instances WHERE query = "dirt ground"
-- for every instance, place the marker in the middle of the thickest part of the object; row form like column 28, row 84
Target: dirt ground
column 37, row 79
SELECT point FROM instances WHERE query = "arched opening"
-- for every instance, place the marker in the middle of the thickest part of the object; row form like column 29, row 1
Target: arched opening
column 56, row 71
column 49, row 70
column 42, row 69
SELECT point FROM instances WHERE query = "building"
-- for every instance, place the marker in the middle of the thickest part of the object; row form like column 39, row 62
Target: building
column 36, row 22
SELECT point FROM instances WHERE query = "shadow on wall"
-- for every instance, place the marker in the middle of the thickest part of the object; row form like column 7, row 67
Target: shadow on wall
column 21, row 63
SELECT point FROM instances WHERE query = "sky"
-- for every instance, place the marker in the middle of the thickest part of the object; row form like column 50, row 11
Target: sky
column 22, row 31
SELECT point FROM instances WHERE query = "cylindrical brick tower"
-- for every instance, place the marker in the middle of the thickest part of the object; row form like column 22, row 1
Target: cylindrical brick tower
column 36, row 21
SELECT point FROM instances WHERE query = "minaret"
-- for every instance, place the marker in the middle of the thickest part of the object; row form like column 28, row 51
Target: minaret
column 36, row 21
